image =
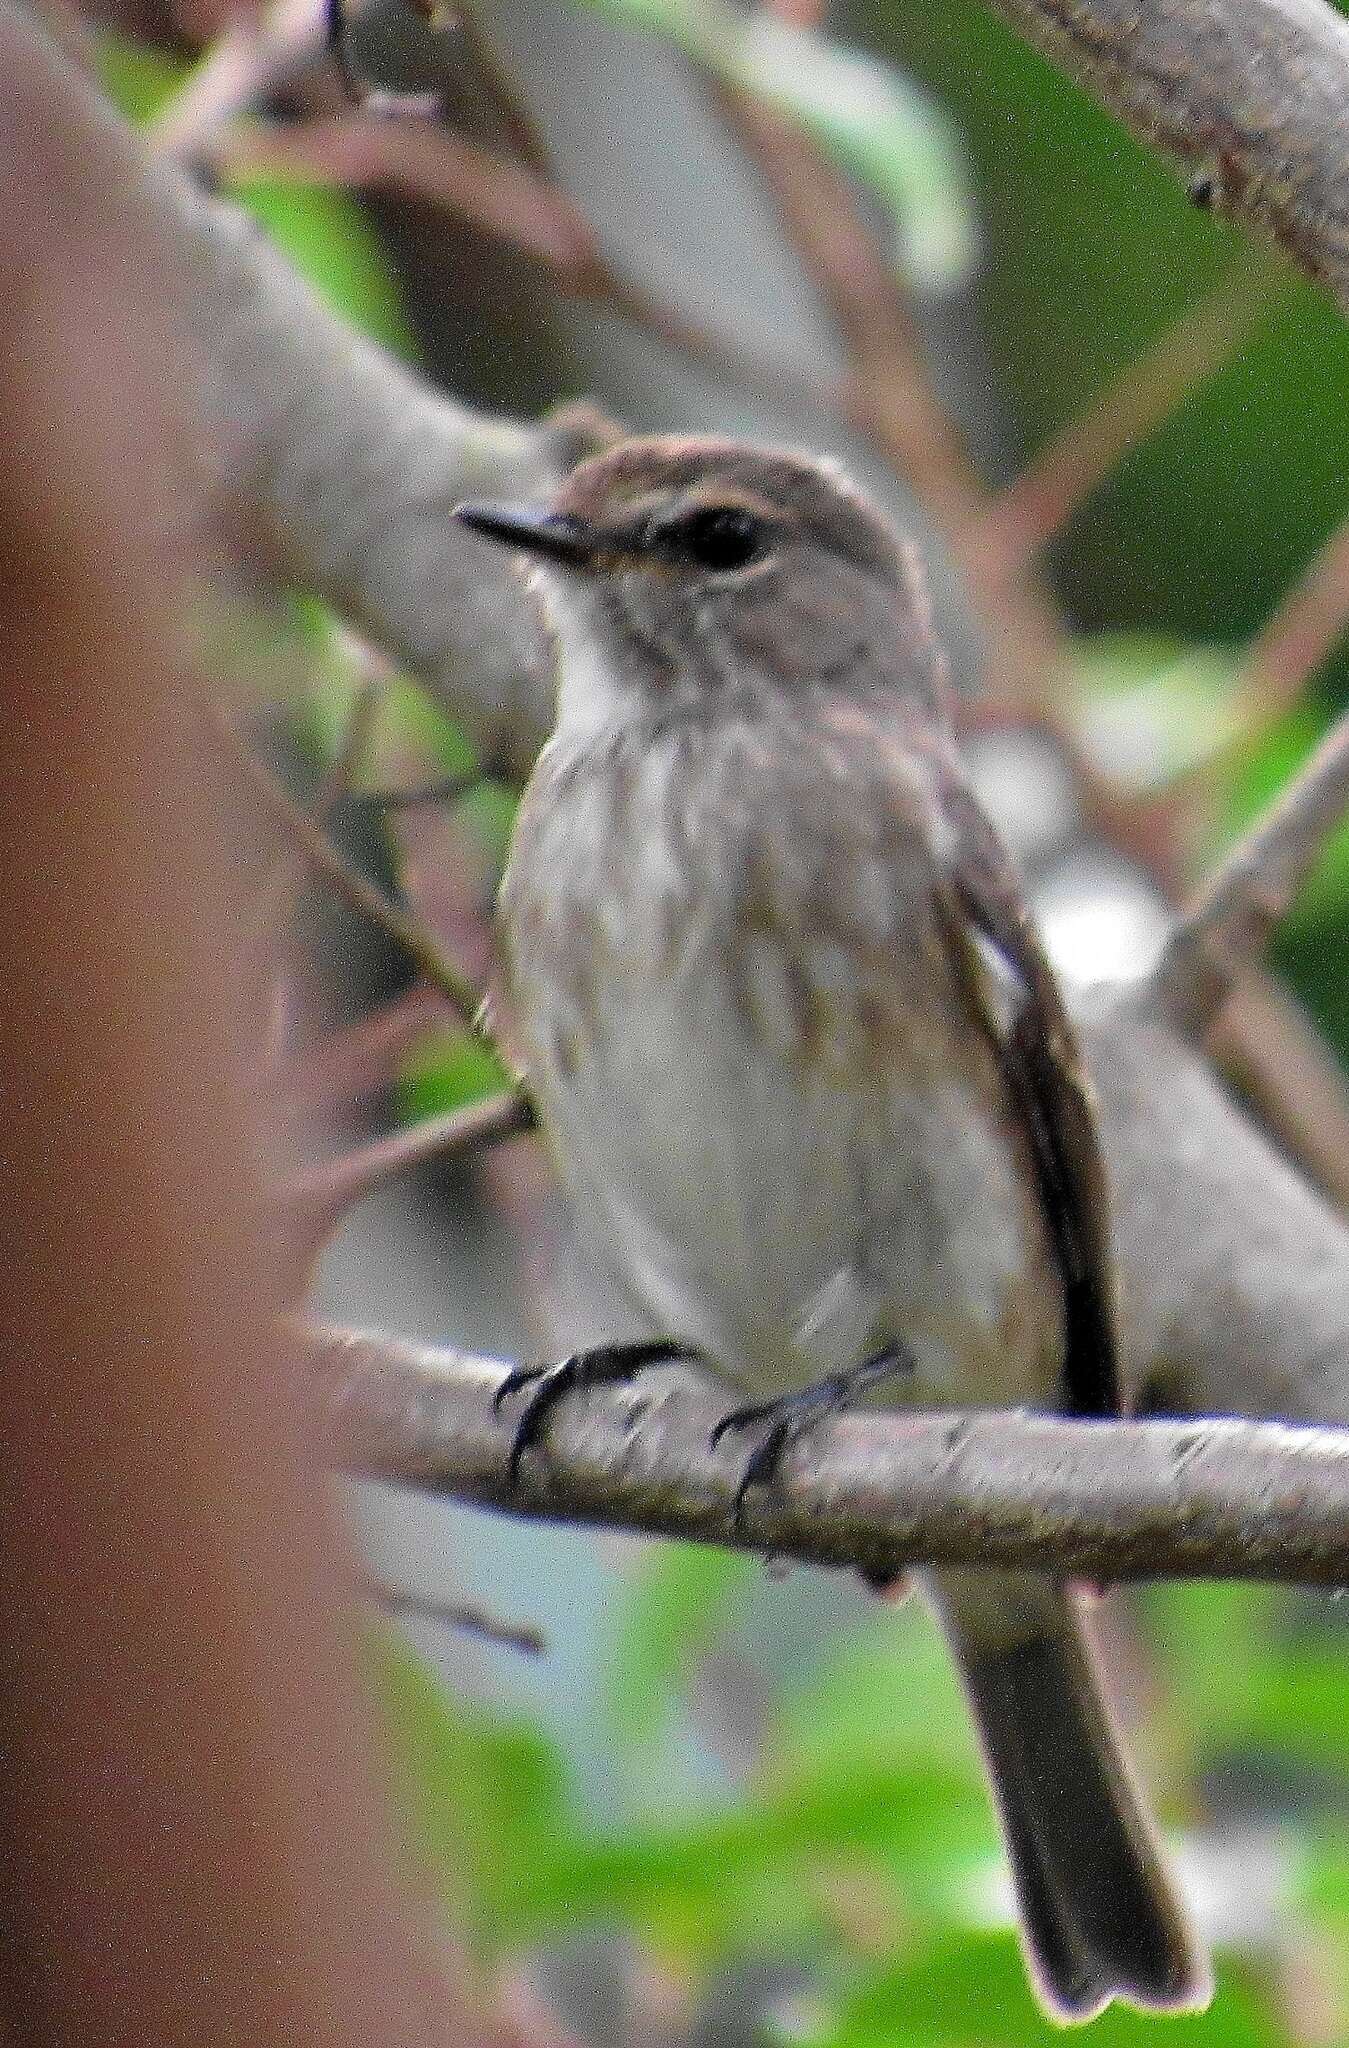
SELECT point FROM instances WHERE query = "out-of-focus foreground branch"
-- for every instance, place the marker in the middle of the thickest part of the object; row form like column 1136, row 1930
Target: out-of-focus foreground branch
column 1213, row 1498
column 193, row 1842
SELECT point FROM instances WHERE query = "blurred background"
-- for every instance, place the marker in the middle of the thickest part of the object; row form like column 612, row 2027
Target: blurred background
column 724, row 1804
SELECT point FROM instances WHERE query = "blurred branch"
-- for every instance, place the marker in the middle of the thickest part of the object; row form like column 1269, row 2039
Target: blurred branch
column 1097, row 1500
column 253, row 54
column 1301, row 632
column 890, row 394
column 309, row 1207
column 461, row 1614
column 358, row 1059
column 308, row 837
column 1247, row 97
column 197, row 1842
column 1081, row 456
column 260, row 953
column 1267, row 1046
column 1231, row 922
column 513, row 204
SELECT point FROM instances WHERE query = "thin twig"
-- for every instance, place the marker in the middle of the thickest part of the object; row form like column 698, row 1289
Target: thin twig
column 1269, row 1048
column 891, row 396
column 460, row 1614
column 1303, row 629
column 363, row 897
column 251, row 56
column 1099, row 1500
column 514, row 205
column 276, row 896
column 518, row 125
column 312, row 1204
column 358, row 1059
column 1078, row 459
column 1231, row 921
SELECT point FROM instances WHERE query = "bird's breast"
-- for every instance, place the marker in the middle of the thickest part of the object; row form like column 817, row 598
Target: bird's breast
column 741, row 1027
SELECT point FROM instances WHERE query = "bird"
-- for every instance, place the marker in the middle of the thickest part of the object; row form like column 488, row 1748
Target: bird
column 809, row 1078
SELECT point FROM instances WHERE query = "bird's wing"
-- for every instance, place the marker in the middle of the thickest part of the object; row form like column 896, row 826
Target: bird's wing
column 998, row 954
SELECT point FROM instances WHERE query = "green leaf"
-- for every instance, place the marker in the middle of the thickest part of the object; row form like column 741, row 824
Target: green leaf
column 874, row 121
column 139, row 80
column 675, row 1607
column 1150, row 708
column 1283, row 1695
column 973, row 1993
column 486, row 1795
column 750, row 1878
column 326, row 239
column 445, row 1071
column 889, row 1690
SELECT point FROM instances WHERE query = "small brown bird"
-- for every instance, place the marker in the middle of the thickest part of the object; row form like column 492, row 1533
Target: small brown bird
column 808, row 1075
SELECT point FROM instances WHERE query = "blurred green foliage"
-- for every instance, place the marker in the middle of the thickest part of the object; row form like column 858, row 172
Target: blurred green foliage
column 870, row 116
column 858, row 1851
column 855, row 1847
column 323, row 232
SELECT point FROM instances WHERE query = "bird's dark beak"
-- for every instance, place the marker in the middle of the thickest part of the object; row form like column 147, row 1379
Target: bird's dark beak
column 534, row 529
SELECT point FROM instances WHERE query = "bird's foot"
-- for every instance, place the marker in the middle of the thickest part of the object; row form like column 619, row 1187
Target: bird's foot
column 793, row 1414
column 605, row 1365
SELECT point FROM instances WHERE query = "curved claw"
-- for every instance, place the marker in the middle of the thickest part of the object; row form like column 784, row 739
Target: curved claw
column 741, row 1418
column 761, row 1466
column 550, row 1384
column 792, row 1414
column 518, row 1376
column 605, row 1365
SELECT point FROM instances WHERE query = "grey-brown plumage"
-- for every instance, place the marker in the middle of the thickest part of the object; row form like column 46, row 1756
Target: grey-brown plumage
column 806, row 1070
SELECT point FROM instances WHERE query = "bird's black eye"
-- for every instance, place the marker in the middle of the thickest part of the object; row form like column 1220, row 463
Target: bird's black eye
column 721, row 538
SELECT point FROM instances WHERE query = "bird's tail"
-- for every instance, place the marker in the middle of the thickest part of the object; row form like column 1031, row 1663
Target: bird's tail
column 1099, row 1915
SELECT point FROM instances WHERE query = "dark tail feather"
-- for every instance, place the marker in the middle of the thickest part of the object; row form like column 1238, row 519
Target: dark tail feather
column 1100, row 1917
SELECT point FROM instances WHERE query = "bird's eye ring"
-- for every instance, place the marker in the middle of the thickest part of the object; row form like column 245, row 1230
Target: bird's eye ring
column 720, row 538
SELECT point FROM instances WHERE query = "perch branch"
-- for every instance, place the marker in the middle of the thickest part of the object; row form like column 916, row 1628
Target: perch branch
column 1208, row 1498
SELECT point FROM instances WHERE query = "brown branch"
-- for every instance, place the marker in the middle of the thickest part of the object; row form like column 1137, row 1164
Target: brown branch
column 300, row 830
column 197, row 1838
column 1078, row 459
column 890, row 394
column 1264, row 1042
column 1247, row 99
column 513, row 204
column 358, row 1059
column 259, row 962
column 1105, row 1501
column 1302, row 631
column 310, row 1206
column 1231, row 922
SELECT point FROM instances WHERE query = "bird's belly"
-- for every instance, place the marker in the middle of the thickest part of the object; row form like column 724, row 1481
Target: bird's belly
column 789, row 1216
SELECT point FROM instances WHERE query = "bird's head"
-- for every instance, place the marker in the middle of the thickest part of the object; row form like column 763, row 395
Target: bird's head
column 713, row 571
